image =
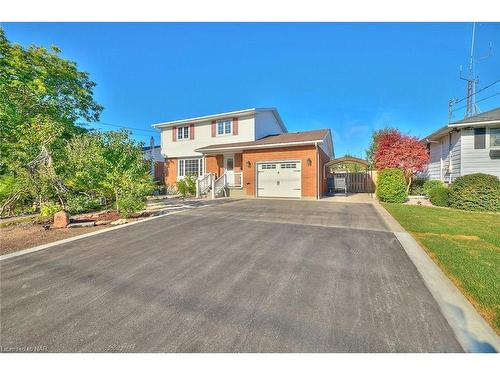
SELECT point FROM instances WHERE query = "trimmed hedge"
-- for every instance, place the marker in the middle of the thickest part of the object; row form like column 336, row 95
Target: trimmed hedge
column 476, row 192
column 391, row 186
column 431, row 184
column 439, row 196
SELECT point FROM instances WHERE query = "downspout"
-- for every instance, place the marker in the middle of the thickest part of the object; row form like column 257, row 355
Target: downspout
column 317, row 171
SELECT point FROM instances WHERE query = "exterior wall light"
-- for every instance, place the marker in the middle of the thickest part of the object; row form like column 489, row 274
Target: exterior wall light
column 309, row 162
column 249, row 164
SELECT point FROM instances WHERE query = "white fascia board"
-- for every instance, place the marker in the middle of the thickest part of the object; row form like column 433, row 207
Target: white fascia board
column 474, row 124
column 270, row 145
column 204, row 118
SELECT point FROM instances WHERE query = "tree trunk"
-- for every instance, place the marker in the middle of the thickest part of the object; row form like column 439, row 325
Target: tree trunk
column 116, row 200
column 408, row 187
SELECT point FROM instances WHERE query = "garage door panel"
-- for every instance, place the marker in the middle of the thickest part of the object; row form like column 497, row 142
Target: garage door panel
column 279, row 179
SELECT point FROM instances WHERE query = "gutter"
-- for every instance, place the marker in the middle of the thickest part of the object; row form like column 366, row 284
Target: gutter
column 250, row 147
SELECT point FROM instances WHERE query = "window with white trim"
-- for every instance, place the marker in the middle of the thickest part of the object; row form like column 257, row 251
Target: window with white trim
column 183, row 132
column 224, row 127
column 495, row 137
column 193, row 167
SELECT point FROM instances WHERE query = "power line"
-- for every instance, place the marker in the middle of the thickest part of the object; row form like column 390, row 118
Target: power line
column 149, row 132
column 484, row 88
column 478, row 101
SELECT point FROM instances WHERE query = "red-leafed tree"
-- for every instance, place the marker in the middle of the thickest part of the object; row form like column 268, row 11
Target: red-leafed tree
column 396, row 150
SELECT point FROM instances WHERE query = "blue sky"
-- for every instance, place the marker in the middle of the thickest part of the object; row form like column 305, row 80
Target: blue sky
column 349, row 77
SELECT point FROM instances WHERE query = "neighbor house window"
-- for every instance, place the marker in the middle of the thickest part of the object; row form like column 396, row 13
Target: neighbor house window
column 479, row 138
column 183, row 132
column 495, row 137
column 224, row 127
column 192, row 167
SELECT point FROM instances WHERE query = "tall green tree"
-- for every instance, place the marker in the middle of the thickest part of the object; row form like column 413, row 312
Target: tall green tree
column 109, row 164
column 42, row 96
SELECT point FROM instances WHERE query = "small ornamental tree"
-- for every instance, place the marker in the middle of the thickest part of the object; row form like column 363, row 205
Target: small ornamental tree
column 396, row 150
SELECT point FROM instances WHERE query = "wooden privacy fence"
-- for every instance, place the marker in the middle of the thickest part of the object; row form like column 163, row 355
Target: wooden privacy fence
column 355, row 182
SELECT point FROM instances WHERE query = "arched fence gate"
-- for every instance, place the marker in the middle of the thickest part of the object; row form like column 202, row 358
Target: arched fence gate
column 348, row 175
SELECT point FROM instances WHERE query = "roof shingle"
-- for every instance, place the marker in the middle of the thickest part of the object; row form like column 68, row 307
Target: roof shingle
column 308, row 136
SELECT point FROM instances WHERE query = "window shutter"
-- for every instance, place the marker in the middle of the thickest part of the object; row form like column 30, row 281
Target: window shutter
column 479, row 138
column 174, row 134
column 235, row 126
column 213, row 128
column 191, row 131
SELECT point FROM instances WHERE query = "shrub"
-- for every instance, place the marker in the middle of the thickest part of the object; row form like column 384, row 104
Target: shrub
column 431, row 184
column 129, row 204
column 476, row 192
column 187, row 186
column 81, row 203
column 417, row 187
column 48, row 210
column 439, row 196
column 391, row 186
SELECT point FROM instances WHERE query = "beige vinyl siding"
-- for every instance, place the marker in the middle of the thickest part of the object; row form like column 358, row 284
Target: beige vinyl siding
column 434, row 169
column 477, row 161
column 455, row 155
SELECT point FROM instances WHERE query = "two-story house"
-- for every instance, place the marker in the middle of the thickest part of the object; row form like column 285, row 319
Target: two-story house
column 471, row 145
column 249, row 152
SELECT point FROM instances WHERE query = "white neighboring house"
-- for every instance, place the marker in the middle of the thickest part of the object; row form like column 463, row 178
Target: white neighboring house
column 153, row 155
column 471, row 145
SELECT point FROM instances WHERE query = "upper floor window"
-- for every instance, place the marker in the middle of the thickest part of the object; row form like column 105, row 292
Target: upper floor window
column 223, row 127
column 183, row 132
column 494, row 137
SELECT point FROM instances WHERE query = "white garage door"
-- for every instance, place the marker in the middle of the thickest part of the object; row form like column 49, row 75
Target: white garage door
column 279, row 179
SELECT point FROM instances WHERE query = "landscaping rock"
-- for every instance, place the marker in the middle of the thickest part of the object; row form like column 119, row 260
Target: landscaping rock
column 119, row 222
column 81, row 224
column 103, row 222
column 61, row 219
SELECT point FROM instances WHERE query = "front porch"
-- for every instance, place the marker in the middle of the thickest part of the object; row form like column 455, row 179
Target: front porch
column 223, row 176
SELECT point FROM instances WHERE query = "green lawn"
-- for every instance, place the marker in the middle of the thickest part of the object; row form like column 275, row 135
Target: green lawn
column 466, row 245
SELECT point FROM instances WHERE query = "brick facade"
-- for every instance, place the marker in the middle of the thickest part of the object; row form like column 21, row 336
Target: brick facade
column 302, row 153
column 247, row 160
column 170, row 171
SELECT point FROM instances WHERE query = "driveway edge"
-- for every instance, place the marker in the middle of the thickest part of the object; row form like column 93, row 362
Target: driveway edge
column 471, row 330
column 75, row 238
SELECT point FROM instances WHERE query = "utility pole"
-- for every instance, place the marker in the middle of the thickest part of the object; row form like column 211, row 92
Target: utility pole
column 471, row 107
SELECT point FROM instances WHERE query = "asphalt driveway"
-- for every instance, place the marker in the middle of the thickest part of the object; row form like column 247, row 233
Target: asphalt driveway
column 244, row 276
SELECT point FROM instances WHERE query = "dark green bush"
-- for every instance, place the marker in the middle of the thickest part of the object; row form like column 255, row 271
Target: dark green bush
column 81, row 203
column 417, row 187
column 431, row 184
column 391, row 186
column 476, row 192
column 439, row 196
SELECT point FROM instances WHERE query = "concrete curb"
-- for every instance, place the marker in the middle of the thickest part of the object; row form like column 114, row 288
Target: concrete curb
column 470, row 329
column 75, row 238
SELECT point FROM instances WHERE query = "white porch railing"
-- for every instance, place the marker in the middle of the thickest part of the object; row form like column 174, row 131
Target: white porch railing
column 220, row 185
column 236, row 179
column 203, row 184
column 209, row 182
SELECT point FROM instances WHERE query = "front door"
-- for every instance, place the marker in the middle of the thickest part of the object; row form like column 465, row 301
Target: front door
column 229, row 168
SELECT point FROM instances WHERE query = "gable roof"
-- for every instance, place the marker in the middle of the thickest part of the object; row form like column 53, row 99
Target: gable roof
column 486, row 118
column 297, row 138
column 489, row 116
column 224, row 115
